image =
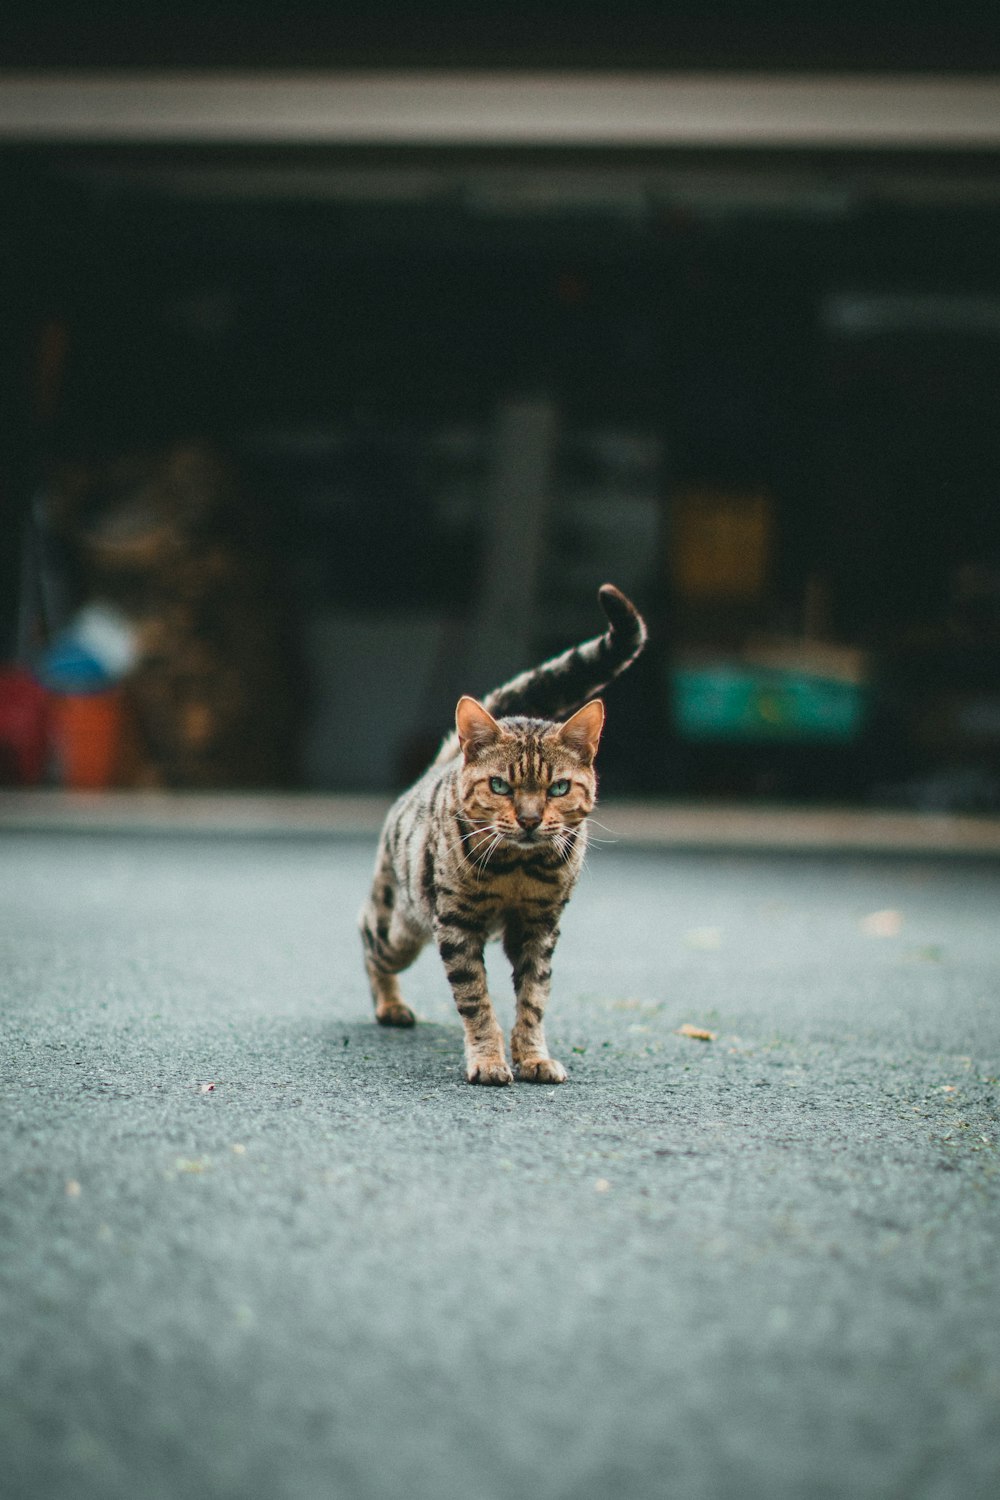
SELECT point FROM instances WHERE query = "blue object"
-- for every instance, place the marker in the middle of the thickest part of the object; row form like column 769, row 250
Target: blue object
column 67, row 667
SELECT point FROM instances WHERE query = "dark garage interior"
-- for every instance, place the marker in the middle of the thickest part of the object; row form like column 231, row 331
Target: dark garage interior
column 325, row 435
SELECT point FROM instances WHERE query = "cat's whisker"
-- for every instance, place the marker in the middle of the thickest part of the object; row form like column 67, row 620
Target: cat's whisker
column 483, row 836
column 493, row 845
column 480, row 854
column 565, row 841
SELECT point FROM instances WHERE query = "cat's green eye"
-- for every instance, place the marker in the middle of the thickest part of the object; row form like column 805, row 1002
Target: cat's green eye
column 499, row 787
column 559, row 789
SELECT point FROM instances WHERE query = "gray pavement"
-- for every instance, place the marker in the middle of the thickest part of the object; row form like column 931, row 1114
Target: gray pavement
column 253, row 1247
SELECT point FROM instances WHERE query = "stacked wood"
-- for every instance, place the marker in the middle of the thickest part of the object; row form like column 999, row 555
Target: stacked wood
column 165, row 537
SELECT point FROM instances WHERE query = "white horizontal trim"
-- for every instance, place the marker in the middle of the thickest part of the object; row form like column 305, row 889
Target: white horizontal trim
column 670, row 825
column 515, row 109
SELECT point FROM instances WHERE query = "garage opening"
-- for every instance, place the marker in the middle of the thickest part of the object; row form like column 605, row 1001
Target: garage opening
column 340, row 435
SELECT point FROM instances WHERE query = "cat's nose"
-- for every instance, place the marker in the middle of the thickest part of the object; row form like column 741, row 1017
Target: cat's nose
column 528, row 818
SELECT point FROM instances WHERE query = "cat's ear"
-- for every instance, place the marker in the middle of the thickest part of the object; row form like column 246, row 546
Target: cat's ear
column 476, row 727
column 582, row 732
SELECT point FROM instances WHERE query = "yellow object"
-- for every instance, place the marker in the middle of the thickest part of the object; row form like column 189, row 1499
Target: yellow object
column 721, row 545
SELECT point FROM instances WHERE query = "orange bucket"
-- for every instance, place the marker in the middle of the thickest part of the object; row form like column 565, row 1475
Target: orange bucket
column 88, row 732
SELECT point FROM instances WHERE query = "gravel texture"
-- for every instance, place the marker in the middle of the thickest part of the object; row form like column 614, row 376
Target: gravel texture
column 253, row 1247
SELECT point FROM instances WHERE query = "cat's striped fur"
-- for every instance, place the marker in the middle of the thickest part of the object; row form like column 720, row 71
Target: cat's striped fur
column 489, row 843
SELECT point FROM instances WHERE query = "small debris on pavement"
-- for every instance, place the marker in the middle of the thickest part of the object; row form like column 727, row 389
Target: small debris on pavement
column 697, row 1033
column 192, row 1165
column 704, row 939
column 882, row 924
column 207, row 1088
column 73, row 1188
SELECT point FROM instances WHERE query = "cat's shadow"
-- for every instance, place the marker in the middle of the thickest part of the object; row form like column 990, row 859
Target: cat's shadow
column 426, row 1052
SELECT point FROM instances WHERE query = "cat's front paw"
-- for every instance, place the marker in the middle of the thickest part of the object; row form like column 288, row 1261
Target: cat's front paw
column 492, row 1071
column 541, row 1070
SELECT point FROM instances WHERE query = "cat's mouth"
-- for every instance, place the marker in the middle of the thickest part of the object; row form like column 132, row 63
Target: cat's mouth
column 531, row 838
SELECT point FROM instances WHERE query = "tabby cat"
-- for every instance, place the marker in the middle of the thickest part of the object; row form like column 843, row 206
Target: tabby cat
column 489, row 843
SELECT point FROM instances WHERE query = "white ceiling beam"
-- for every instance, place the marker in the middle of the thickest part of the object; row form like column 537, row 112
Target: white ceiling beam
column 527, row 109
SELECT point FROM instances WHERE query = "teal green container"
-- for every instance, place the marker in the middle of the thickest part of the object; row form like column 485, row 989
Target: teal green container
column 729, row 702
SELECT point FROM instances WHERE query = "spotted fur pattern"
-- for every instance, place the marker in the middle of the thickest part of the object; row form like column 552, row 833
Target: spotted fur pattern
column 489, row 844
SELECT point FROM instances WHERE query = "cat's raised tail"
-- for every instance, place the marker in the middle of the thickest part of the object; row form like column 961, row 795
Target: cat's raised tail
column 564, row 683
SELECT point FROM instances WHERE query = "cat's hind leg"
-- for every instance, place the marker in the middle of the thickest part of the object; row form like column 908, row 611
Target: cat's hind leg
column 391, row 944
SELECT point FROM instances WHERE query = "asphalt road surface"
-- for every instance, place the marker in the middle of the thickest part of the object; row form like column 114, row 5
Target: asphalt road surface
column 252, row 1246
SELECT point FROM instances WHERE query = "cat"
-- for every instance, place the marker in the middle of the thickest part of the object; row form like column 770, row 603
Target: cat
column 489, row 843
